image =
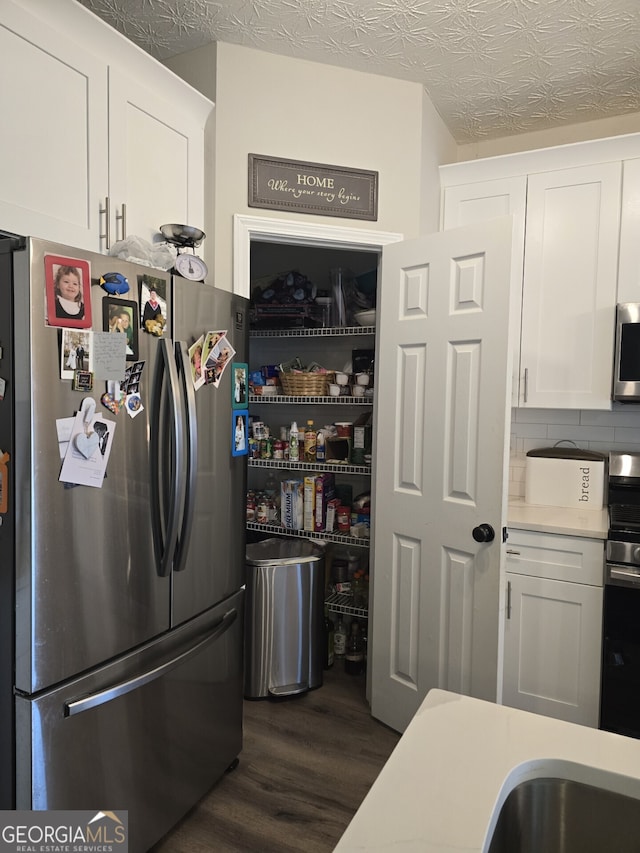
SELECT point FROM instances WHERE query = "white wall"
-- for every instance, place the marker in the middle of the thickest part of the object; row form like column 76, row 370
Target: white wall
column 284, row 107
column 601, row 431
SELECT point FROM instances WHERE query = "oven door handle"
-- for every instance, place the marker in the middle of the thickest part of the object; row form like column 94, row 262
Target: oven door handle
column 623, row 575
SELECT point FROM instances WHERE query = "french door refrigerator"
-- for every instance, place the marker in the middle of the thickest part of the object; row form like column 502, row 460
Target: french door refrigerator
column 121, row 606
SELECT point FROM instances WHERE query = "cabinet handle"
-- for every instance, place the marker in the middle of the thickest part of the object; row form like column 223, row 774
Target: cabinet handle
column 511, row 551
column 508, row 599
column 122, row 217
column 526, row 384
column 107, row 225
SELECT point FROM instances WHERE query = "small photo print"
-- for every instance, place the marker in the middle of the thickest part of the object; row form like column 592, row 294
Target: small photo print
column 239, row 385
column 217, row 360
column 68, row 292
column 121, row 316
column 239, row 441
column 153, row 304
column 132, row 376
column 195, row 359
column 75, row 352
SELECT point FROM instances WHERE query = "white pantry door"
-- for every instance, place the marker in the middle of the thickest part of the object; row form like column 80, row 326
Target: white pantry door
column 443, row 390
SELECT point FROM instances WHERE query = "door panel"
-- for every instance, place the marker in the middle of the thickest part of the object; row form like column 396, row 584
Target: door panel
column 156, row 152
column 53, row 168
column 553, row 648
column 441, row 461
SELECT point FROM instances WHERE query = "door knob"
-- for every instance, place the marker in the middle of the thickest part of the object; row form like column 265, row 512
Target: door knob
column 483, row 533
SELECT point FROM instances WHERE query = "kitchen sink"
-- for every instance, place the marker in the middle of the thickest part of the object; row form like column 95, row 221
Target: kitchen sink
column 549, row 815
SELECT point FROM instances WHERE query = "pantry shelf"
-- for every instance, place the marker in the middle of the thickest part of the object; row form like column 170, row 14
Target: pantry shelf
column 307, row 534
column 339, row 602
column 334, row 467
column 332, row 331
column 334, row 401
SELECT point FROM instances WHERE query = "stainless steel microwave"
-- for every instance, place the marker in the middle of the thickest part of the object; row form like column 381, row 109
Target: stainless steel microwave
column 626, row 366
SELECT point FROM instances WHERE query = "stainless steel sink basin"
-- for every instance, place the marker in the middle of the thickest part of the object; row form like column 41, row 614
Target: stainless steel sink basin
column 562, row 816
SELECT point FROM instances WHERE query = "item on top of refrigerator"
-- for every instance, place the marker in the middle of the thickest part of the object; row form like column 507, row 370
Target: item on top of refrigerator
column 138, row 251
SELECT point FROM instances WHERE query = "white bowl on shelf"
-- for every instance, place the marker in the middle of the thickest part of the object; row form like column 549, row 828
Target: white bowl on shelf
column 365, row 318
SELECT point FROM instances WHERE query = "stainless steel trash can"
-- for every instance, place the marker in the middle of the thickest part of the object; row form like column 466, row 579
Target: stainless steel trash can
column 284, row 617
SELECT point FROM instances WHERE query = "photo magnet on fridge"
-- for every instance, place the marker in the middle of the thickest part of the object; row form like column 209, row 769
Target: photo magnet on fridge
column 76, row 352
column 67, row 286
column 120, row 316
column 239, row 441
column 239, row 385
column 153, row 304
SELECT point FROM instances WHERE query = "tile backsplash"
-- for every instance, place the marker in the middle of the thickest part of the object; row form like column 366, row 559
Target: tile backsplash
column 618, row 429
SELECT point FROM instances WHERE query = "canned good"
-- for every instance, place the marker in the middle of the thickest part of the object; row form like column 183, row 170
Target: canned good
column 278, row 449
column 266, row 448
column 344, row 519
column 251, row 507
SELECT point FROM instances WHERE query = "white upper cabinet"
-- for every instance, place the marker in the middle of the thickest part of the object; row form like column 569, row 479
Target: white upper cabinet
column 479, row 202
column 576, row 252
column 98, row 135
column 53, row 146
column 629, row 265
column 569, row 292
column 157, row 151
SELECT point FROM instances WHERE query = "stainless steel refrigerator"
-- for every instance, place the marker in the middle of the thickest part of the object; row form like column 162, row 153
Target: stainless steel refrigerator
column 121, row 607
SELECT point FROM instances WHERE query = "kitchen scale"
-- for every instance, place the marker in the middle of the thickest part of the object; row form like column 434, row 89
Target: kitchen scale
column 187, row 264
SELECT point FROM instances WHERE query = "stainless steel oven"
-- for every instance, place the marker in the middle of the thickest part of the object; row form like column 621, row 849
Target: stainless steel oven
column 620, row 695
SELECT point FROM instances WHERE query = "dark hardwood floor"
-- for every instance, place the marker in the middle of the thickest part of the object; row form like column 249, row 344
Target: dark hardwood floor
column 306, row 765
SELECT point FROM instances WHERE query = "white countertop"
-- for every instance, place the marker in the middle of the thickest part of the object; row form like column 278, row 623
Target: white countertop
column 458, row 760
column 593, row 523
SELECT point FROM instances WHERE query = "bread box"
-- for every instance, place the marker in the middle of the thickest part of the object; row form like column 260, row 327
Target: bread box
column 565, row 476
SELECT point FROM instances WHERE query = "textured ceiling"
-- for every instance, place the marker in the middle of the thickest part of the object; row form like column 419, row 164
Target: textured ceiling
column 491, row 67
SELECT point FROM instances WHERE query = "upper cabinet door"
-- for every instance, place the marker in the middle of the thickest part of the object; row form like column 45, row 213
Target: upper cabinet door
column 53, row 148
column 156, row 152
column 569, row 292
column 629, row 266
column 478, row 202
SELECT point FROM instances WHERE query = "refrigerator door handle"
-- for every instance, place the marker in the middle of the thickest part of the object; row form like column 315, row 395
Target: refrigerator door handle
column 78, row 706
column 189, row 397
column 168, row 479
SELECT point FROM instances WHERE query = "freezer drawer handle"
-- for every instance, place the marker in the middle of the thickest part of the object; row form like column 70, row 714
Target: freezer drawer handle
column 124, row 687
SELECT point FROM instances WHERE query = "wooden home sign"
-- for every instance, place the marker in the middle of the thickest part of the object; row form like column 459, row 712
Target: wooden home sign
column 312, row 188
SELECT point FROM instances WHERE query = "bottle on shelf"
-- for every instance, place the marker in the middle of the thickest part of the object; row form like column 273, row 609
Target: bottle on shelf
column 339, row 638
column 354, row 651
column 294, row 453
column 329, row 634
column 309, row 442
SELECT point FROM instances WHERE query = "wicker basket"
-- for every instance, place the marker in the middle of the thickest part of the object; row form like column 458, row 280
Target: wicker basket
column 305, row 384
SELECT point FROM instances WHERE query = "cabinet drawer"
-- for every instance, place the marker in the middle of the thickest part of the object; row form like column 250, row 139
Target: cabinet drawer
column 547, row 555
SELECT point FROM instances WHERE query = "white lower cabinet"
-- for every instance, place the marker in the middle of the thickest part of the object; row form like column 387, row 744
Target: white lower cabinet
column 553, row 625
